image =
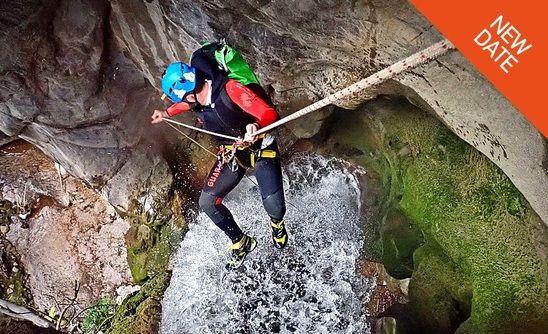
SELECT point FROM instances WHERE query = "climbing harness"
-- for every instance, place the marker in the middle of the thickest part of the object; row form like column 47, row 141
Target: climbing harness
column 263, row 154
column 227, row 154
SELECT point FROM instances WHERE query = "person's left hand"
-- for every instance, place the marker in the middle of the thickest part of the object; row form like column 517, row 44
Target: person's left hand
column 250, row 129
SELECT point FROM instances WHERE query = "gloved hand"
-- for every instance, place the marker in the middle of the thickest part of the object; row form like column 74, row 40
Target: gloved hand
column 250, row 129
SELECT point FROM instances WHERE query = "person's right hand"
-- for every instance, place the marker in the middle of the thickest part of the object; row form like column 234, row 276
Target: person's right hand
column 158, row 116
column 250, row 130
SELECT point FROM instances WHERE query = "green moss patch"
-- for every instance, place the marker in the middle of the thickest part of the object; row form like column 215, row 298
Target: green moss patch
column 150, row 241
column 141, row 313
column 13, row 276
column 399, row 241
column 440, row 293
column 463, row 201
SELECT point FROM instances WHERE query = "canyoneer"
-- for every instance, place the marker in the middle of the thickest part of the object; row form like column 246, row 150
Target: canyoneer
column 226, row 106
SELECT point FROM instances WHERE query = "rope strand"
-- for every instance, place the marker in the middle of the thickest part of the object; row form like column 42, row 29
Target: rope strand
column 414, row 60
column 202, row 130
column 192, row 140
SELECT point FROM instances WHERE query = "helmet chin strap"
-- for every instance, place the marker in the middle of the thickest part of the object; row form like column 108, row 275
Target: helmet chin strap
column 194, row 104
column 196, row 101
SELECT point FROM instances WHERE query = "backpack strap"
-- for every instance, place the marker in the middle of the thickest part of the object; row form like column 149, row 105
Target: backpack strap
column 224, row 49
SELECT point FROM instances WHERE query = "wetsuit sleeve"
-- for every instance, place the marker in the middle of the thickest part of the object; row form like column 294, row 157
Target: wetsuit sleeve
column 251, row 103
column 177, row 108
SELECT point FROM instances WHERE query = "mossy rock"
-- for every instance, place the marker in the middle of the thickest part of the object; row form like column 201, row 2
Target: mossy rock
column 141, row 313
column 151, row 241
column 460, row 199
column 148, row 316
column 399, row 241
column 137, row 261
column 149, row 249
column 472, row 210
column 480, row 232
column 13, row 278
column 440, row 294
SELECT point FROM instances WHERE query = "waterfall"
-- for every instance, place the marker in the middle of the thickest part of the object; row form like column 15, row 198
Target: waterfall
column 311, row 286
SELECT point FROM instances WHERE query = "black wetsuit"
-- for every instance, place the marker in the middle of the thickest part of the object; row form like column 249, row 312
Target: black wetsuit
column 226, row 117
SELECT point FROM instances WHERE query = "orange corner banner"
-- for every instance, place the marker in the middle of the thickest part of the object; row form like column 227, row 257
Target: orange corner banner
column 506, row 41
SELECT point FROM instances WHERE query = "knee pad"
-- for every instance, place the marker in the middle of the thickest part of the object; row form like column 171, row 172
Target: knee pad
column 275, row 205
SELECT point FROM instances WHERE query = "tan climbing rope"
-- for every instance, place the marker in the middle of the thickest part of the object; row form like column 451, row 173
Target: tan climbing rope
column 201, row 130
column 414, row 60
column 192, row 140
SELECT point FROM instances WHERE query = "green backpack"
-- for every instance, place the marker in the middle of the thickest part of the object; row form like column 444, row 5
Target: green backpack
column 229, row 62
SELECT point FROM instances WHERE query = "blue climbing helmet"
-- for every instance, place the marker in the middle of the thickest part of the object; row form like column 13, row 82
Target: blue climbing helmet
column 178, row 80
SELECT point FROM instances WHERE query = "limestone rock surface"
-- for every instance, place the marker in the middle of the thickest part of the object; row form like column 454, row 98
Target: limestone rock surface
column 80, row 78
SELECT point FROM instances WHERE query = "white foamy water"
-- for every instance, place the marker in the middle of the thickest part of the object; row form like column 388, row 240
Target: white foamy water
column 311, row 286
